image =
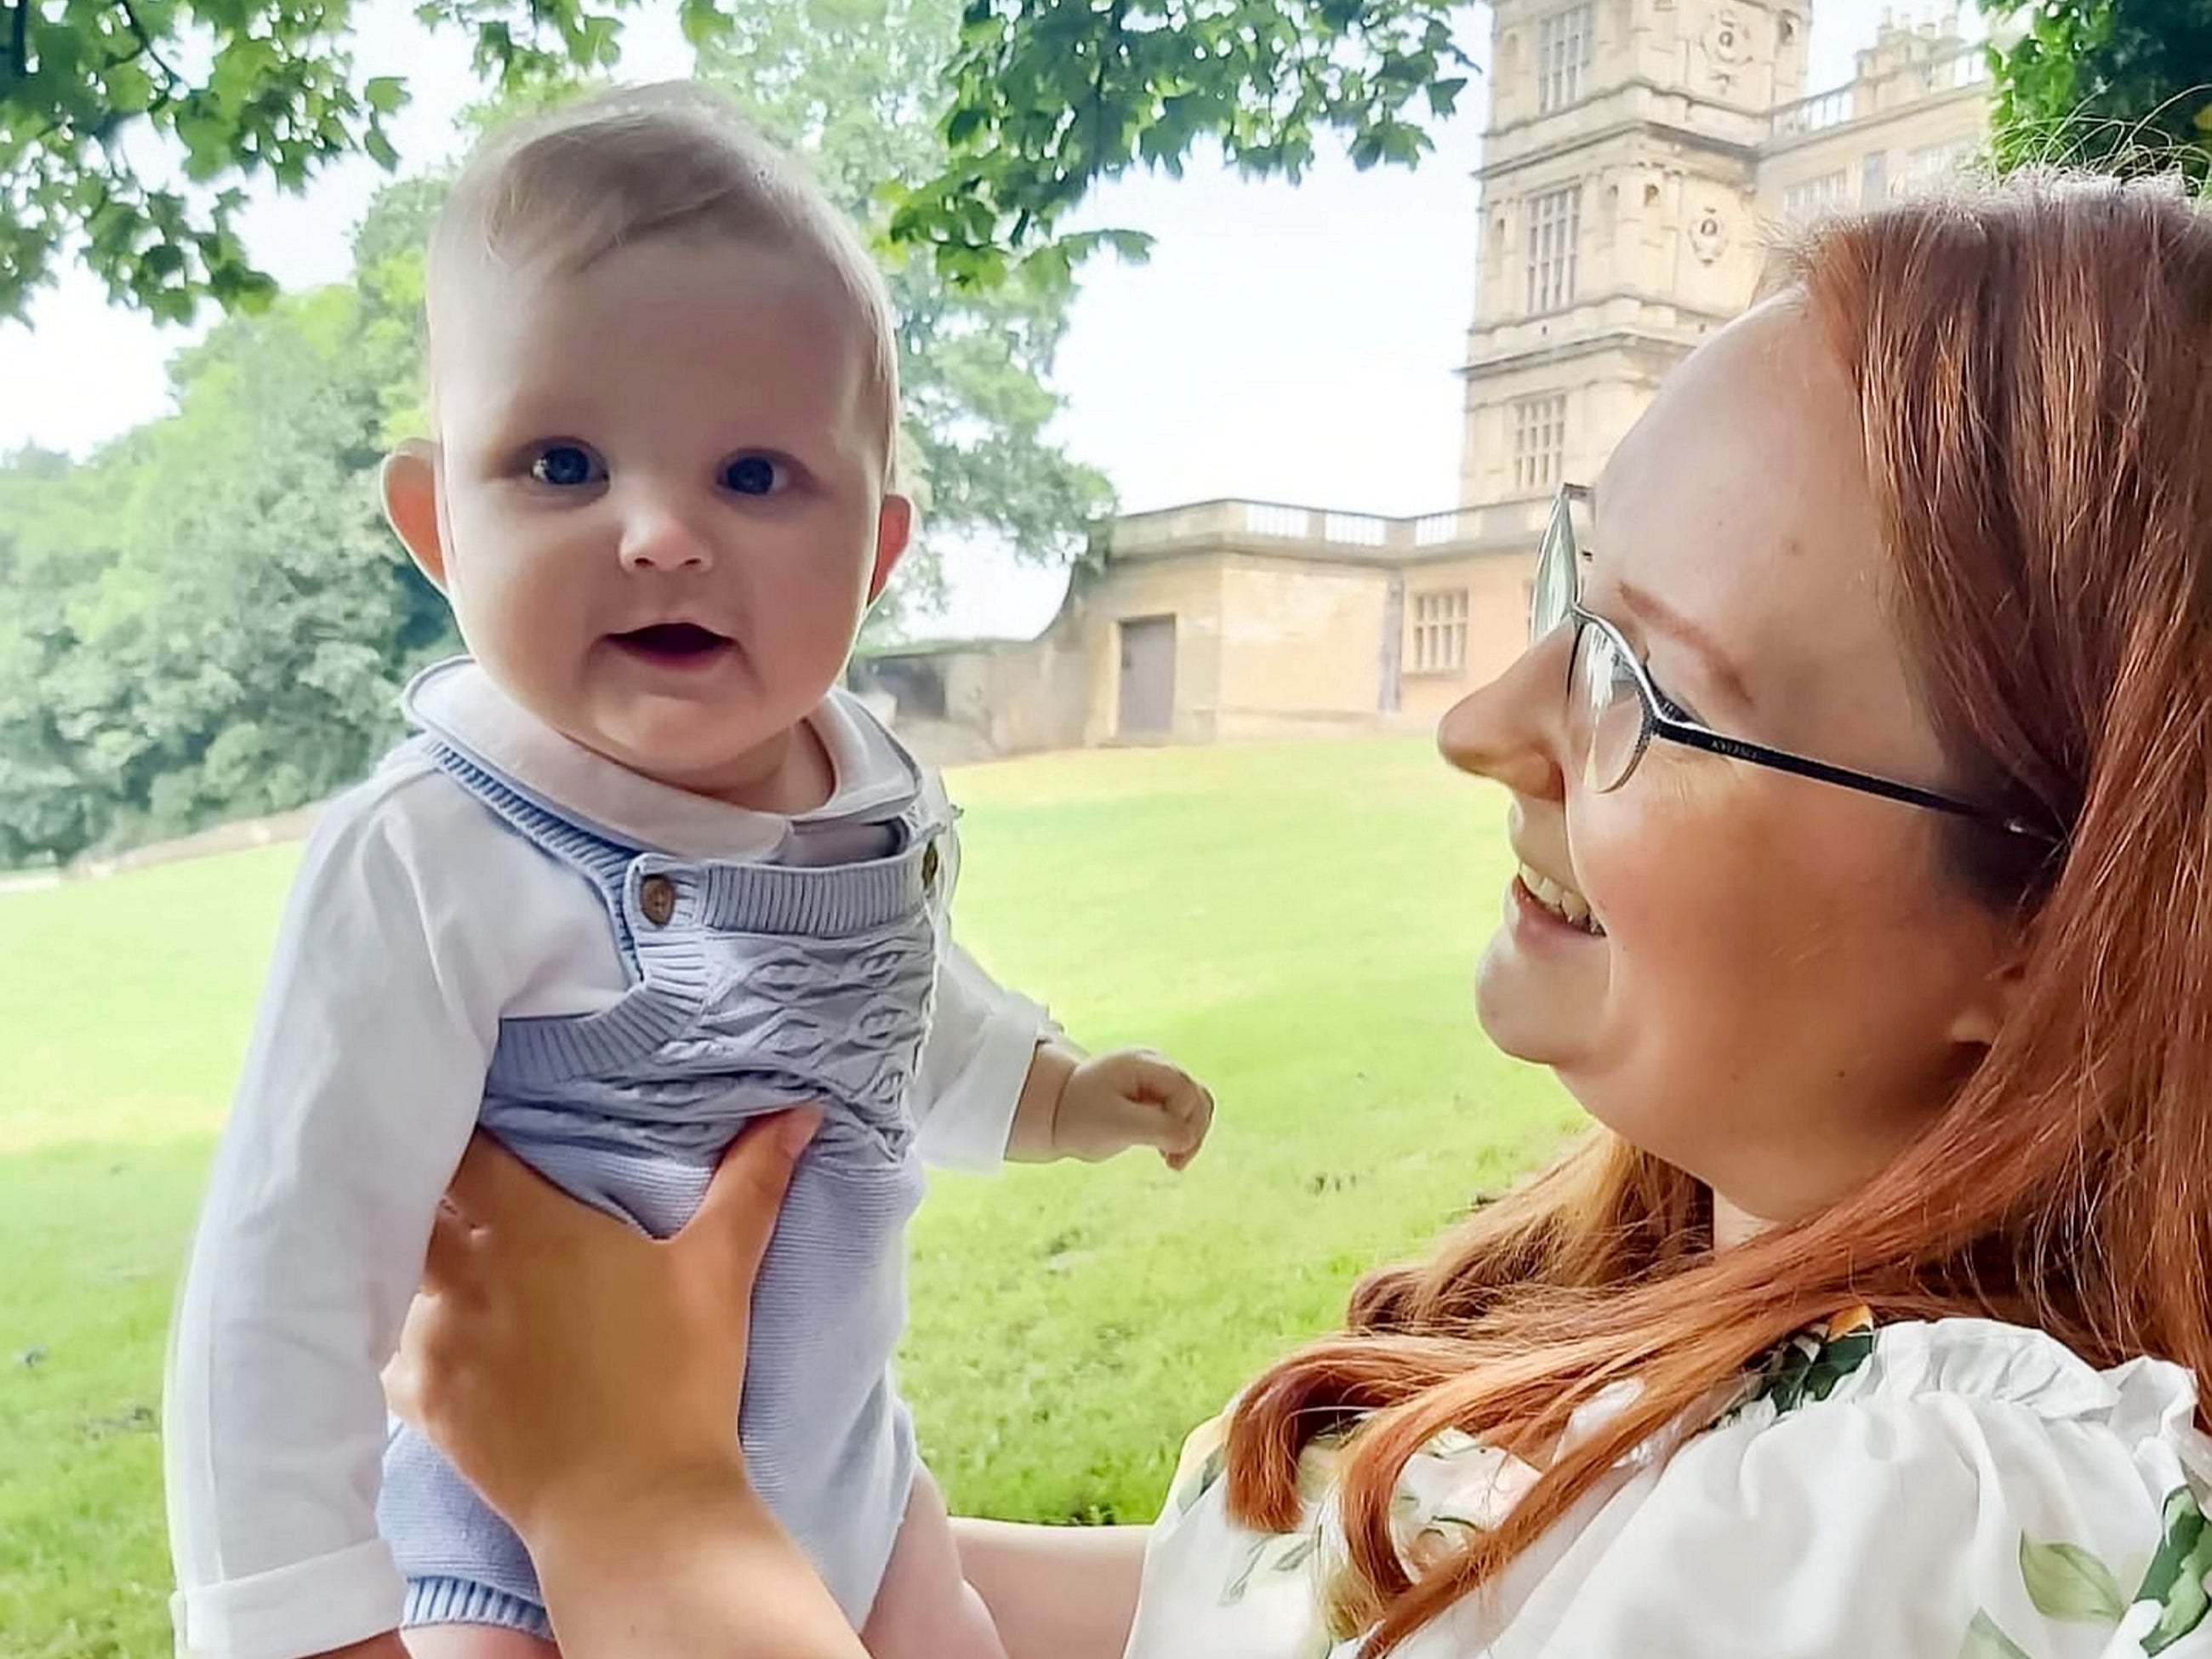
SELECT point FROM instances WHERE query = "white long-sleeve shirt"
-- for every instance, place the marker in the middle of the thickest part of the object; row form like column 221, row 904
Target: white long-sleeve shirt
column 417, row 924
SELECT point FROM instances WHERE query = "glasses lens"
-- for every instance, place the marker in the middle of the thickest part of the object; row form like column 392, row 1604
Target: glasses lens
column 1605, row 710
column 1553, row 594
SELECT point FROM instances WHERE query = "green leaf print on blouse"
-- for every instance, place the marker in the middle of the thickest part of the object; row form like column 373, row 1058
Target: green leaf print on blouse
column 2175, row 1581
column 1289, row 1553
column 2065, row 1580
column 1215, row 1465
column 2068, row 1584
column 1807, row 1368
column 1985, row 1641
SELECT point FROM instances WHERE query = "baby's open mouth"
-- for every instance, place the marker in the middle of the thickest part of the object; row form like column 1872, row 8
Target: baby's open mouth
column 672, row 643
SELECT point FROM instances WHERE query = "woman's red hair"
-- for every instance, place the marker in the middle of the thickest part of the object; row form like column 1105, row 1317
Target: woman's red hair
column 2033, row 368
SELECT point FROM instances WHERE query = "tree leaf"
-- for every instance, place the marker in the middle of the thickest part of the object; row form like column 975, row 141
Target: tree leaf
column 130, row 88
column 57, row 48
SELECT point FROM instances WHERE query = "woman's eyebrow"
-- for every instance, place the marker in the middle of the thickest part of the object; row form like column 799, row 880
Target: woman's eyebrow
column 1660, row 617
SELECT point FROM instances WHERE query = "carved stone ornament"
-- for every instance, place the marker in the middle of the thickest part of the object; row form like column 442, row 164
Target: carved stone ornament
column 1708, row 236
column 1727, row 39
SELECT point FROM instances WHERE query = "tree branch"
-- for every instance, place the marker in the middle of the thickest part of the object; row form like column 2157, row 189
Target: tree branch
column 19, row 37
column 146, row 45
column 1106, row 43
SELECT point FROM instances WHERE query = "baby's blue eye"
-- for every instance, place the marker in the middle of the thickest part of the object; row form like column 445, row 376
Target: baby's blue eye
column 565, row 466
column 750, row 475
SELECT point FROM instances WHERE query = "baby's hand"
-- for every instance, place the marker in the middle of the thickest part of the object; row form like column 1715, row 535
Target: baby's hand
column 1132, row 1098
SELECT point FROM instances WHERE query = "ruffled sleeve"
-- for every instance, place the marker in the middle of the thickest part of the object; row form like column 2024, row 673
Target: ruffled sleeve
column 1957, row 1490
column 1969, row 1491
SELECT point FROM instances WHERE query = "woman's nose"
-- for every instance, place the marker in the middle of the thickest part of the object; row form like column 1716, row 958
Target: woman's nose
column 657, row 536
column 1513, row 729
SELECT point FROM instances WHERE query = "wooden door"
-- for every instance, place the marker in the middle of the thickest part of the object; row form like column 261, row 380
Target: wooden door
column 1148, row 646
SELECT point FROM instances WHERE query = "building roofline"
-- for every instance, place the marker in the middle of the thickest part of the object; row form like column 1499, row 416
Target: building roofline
column 1652, row 297
column 1710, row 143
column 1278, row 533
column 1560, row 351
column 1789, row 144
column 1634, row 83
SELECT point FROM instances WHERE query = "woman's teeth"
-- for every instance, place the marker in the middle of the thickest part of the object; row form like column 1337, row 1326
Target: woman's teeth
column 1564, row 902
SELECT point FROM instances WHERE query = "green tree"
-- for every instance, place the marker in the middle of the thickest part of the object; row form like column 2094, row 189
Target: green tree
column 215, row 621
column 2122, row 85
column 243, row 652
column 56, row 538
column 1049, row 97
column 131, row 128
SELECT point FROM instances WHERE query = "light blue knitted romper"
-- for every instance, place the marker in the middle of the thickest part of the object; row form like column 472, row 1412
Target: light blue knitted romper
column 755, row 986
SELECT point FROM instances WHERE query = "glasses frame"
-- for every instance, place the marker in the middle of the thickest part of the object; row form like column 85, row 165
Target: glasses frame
column 1675, row 728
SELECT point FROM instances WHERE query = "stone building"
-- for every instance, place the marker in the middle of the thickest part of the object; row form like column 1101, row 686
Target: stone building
column 1640, row 156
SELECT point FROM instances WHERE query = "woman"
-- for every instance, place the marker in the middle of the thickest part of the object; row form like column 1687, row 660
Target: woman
column 1860, row 771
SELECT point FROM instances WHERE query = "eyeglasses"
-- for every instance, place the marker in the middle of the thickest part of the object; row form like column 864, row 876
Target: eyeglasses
column 1614, row 710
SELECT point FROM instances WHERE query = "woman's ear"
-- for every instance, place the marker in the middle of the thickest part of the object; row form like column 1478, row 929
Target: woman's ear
column 411, row 506
column 1990, row 1008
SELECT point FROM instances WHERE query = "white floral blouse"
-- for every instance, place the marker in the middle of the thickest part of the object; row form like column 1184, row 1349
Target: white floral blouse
column 1958, row 1489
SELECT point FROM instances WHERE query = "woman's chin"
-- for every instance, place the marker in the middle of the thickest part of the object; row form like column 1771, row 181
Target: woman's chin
column 1517, row 1024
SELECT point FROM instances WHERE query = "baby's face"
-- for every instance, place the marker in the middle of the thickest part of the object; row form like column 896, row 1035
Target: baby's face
column 661, row 496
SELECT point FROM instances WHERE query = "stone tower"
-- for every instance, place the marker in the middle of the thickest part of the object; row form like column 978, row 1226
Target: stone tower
column 1620, row 216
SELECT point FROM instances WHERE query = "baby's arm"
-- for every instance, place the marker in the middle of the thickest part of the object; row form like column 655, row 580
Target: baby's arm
column 1092, row 1107
column 361, row 1087
column 983, row 1043
column 1000, row 1081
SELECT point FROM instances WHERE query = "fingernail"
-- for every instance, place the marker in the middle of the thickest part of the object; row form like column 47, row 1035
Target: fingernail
column 797, row 1129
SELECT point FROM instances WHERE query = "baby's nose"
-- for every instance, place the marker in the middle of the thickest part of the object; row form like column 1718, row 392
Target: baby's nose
column 657, row 537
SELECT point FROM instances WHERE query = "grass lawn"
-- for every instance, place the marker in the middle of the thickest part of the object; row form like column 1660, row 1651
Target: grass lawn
column 1297, row 924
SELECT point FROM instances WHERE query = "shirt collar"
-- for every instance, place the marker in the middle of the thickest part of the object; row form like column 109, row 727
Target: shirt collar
column 874, row 777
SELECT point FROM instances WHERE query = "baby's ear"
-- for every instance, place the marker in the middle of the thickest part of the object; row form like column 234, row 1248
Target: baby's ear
column 894, row 530
column 411, row 504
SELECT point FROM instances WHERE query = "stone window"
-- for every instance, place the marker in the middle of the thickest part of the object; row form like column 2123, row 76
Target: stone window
column 1873, row 179
column 1937, row 163
column 1563, row 58
column 1539, row 442
column 1555, row 223
column 1812, row 197
column 1440, row 631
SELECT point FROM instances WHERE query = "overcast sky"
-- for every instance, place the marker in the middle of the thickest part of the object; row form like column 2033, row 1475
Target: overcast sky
column 1290, row 343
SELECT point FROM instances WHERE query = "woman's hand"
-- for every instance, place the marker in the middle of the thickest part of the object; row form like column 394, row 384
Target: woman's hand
column 586, row 1380
column 557, row 1355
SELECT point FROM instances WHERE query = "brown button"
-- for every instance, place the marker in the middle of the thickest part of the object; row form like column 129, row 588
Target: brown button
column 929, row 863
column 656, row 896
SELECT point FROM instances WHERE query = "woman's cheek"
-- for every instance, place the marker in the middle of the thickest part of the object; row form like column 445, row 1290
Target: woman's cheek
column 1645, row 857
column 1685, row 894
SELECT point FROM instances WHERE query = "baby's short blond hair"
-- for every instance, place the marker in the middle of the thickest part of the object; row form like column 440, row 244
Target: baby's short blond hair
column 607, row 171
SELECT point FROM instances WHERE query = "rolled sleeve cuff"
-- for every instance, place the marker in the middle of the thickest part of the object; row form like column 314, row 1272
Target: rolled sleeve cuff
column 967, row 1128
column 309, row 1606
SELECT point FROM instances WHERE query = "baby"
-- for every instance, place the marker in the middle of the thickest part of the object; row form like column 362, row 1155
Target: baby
column 645, row 872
